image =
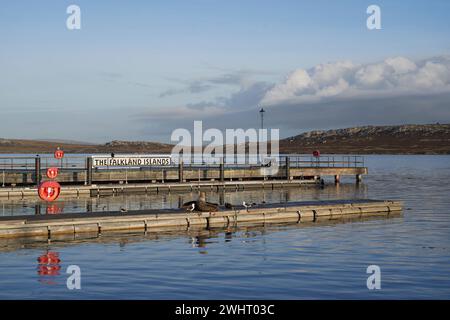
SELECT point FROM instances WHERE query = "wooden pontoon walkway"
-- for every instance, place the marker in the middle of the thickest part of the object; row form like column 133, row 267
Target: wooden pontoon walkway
column 142, row 188
column 73, row 170
column 176, row 219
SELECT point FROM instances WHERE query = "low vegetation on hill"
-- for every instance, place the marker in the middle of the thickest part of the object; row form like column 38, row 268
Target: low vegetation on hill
column 400, row 139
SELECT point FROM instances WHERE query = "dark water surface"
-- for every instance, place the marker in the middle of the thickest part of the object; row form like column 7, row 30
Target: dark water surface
column 324, row 260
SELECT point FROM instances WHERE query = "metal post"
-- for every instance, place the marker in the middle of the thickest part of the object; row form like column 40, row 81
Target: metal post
column 222, row 173
column 37, row 170
column 261, row 112
column 89, row 171
column 180, row 171
column 222, row 197
column 288, row 168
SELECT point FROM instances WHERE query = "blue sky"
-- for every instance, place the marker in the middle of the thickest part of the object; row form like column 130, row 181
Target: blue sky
column 139, row 69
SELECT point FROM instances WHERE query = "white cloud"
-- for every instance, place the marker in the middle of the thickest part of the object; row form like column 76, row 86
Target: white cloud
column 330, row 91
column 431, row 75
column 401, row 65
column 330, row 73
column 393, row 76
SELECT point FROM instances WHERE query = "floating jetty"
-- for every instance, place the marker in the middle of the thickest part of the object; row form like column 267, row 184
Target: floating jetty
column 50, row 226
column 100, row 190
column 198, row 237
column 25, row 171
column 79, row 176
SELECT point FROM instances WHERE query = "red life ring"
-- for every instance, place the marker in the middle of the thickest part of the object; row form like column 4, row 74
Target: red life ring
column 52, row 172
column 49, row 190
column 59, row 154
column 316, row 153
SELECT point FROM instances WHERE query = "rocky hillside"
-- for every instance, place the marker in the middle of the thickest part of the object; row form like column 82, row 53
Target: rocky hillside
column 401, row 139
column 137, row 146
column 34, row 146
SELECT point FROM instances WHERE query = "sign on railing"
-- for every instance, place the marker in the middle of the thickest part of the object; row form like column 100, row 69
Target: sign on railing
column 131, row 161
column 78, row 162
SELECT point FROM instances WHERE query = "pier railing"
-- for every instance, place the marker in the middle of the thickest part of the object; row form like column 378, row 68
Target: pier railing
column 26, row 163
column 296, row 161
column 77, row 162
column 328, row 161
column 79, row 168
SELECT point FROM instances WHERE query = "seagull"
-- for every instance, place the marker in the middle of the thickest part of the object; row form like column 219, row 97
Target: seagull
column 247, row 206
column 192, row 207
column 123, row 210
column 267, row 165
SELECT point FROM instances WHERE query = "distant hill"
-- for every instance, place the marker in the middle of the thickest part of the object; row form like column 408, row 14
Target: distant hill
column 66, row 141
column 401, row 139
column 38, row 146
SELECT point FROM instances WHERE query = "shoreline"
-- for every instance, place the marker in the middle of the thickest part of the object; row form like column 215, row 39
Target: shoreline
column 51, row 151
column 404, row 139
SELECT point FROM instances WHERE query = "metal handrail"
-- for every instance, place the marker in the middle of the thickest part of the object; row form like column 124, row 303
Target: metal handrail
column 70, row 162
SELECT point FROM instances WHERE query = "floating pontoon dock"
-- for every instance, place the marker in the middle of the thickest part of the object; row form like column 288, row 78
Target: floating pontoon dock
column 100, row 190
column 170, row 219
column 76, row 170
column 20, row 176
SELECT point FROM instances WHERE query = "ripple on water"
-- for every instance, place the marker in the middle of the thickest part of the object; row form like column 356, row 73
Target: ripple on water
column 281, row 262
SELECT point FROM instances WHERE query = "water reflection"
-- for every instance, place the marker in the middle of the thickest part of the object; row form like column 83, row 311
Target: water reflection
column 320, row 260
column 54, row 208
column 200, row 241
column 14, row 207
column 48, row 267
column 196, row 238
column 204, row 240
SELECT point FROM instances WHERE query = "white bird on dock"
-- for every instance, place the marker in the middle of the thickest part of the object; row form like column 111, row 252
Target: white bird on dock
column 123, row 210
column 192, row 207
column 246, row 206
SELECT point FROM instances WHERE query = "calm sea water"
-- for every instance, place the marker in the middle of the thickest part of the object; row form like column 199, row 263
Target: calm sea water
column 323, row 261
